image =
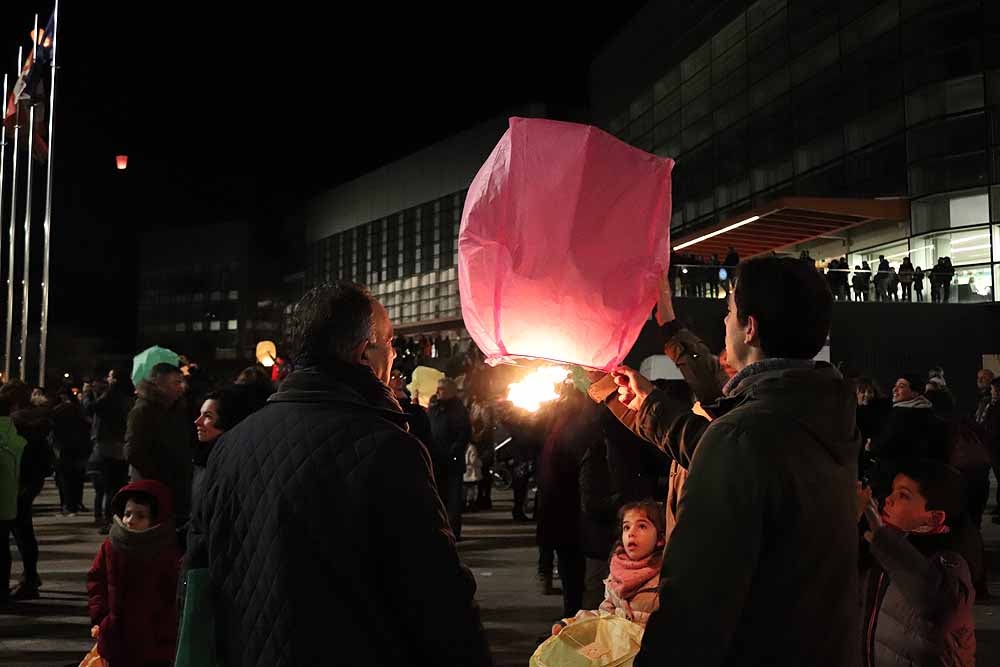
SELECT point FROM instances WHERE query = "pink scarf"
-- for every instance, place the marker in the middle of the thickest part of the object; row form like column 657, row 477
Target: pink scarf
column 629, row 576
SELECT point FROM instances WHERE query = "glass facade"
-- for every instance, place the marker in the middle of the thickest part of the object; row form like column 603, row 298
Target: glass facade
column 841, row 99
column 408, row 259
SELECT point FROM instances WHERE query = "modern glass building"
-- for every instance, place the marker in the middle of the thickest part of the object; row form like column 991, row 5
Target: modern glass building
column 822, row 98
column 396, row 229
column 408, row 258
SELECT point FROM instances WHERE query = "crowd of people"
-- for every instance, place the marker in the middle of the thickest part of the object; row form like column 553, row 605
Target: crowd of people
column 764, row 496
column 706, row 277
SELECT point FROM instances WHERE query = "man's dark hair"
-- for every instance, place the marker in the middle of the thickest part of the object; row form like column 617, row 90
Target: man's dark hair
column 329, row 322
column 791, row 302
column 236, row 402
column 161, row 369
column 917, row 384
column 941, row 485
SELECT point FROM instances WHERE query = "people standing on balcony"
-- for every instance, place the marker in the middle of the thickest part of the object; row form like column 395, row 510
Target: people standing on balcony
column 712, row 274
column 732, row 258
column 832, row 277
column 918, row 284
column 881, row 278
column 858, row 283
column 732, row 261
column 947, row 275
column 844, row 280
column 892, row 285
column 906, row 279
column 940, row 277
column 866, row 275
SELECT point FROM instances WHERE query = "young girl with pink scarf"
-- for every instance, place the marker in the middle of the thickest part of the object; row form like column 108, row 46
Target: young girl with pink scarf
column 633, row 589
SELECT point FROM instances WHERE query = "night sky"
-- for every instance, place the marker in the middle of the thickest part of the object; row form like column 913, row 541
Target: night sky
column 228, row 114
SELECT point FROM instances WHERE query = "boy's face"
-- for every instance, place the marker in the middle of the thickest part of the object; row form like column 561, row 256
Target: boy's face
column 137, row 516
column 906, row 508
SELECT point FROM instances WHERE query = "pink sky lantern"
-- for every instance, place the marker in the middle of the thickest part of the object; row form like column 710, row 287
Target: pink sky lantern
column 122, row 162
column 564, row 235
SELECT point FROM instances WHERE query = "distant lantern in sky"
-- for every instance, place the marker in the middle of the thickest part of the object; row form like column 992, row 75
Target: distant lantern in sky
column 122, row 162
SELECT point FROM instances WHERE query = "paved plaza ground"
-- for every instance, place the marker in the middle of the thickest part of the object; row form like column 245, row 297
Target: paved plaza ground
column 54, row 630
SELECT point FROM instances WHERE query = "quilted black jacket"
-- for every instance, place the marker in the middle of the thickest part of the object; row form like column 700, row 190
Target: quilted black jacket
column 325, row 538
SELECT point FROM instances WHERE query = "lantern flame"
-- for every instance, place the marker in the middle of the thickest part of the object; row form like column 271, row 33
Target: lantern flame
column 537, row 388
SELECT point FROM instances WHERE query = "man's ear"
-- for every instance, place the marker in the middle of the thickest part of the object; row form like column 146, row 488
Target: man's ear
column 752, row 332
column 358, row 353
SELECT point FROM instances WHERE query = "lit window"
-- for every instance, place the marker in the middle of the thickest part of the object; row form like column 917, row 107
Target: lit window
column 215, row 325
column 197, row 326
column 232, row 325
column 234, row 295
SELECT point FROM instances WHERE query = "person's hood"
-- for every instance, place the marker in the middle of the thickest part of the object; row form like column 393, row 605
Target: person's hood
column 9, row 437
column 158, row 490
column 815, row 396
column 148, row 391
column 35, row 420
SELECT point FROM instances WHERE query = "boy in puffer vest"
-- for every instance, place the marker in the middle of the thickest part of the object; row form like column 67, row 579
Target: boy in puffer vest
column 132, row 584
column 917, row 569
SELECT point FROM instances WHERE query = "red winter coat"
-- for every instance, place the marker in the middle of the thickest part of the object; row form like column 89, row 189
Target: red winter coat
column 132, row 590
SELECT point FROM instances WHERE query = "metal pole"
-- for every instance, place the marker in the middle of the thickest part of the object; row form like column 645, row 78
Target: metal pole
column 13, row 231
column 3, row 158
column 44, row 337
column 25, row 284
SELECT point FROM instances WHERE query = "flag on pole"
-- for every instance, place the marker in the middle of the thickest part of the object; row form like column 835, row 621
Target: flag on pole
column 32, row 88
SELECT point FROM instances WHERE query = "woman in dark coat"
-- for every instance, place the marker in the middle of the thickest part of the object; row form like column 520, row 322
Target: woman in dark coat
column 221, row 410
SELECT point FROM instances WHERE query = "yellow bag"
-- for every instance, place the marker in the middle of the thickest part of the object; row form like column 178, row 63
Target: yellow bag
column 93, row 658
column 602, row 641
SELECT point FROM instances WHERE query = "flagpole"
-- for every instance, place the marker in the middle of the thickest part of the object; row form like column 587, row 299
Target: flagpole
column 3, row 159
column 48, row 205
column 26, row 284
column 13, row 231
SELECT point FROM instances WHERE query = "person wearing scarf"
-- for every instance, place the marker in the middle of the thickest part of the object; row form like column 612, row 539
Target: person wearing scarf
column 760, row 567
column 912, row 431
column 632, row 590
column 132, row 583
